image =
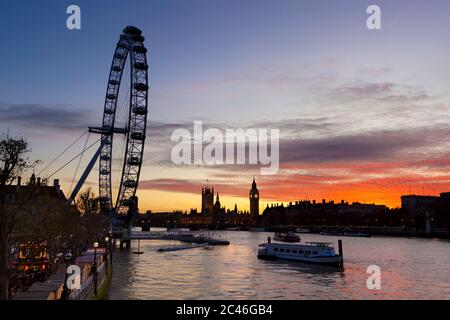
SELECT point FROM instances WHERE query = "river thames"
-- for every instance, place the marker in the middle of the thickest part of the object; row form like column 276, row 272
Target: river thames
column 411, row 268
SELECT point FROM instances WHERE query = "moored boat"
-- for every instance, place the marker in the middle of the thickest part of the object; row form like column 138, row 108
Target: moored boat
column 309, row 252
column 286, row 237
column 356, row 234
column 302, row 230
column 349, row 233
column 178, row 248
column 331, row 233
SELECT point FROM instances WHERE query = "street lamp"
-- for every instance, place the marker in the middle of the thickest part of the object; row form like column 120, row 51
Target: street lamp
column 111, row 245
column 95, row 251
column 94, row 274
column 107, row 252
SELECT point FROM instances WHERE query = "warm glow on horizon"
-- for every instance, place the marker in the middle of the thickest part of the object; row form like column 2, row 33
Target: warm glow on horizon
column 275, row 190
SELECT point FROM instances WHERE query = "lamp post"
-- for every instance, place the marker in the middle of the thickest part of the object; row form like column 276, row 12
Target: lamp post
column 66, row 291
column 94, row 274
column 107, row 253
column 68, row 257
column 95, row 251
column 111, row 245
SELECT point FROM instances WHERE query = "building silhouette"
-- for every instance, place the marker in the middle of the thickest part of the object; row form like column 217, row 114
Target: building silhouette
column 213, row 214
column 254, row 202
column 207, row 200
column 427, row 213
column 217, row 206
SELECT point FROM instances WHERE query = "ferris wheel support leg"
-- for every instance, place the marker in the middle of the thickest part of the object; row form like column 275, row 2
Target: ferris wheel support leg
column 85, row 175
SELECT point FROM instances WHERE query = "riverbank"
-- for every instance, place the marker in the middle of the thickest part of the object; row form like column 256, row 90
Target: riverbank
column 317, row 229
column 380, row 231
column 103, row 290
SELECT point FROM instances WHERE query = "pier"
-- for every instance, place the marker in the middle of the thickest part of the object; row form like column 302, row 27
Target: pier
column 197, row 237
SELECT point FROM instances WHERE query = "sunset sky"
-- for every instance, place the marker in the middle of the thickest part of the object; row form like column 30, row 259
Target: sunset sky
column 363, row 115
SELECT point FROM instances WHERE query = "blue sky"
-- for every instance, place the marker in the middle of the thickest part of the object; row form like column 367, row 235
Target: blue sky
column 228, row 62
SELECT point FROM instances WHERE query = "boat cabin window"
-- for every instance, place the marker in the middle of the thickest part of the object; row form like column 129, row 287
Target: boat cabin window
column 281, row 250
column 275, row 249
column 288, row 250
column 294, row 251
column 300, row 251
column 315, row 252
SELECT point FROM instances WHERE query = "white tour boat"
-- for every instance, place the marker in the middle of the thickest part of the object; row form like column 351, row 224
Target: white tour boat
column 309, row 252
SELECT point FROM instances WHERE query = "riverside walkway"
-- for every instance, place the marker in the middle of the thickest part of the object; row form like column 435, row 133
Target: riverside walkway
column 45, row 290
column 52, row 288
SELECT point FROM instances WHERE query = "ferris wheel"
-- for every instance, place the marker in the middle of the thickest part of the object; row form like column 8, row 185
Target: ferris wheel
column 131, row 44
column 123, row 129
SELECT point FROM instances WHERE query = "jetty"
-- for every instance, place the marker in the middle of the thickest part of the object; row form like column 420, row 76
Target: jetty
column 186, row 247
column 189, row 237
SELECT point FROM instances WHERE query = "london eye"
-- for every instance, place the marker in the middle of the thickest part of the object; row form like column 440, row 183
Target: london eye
column 122, row 133
column 123, row 128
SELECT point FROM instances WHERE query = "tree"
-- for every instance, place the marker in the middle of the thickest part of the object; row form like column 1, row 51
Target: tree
column 93, row 222
column 13, row 162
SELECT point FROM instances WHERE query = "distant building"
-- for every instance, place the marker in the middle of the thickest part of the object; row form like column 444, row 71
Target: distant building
column 324, row 213
column 413, row 203
column 254, row 202
column 213, row 214
column 34, row 195
column 207, row 199
column 39, row 205
column 427, row 213
column 217, row 206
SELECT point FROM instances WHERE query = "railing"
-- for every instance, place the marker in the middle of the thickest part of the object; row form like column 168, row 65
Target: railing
column 318, row 244
column 88, row 284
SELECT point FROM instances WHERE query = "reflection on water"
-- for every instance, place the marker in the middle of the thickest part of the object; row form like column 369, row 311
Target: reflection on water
column 411, row 269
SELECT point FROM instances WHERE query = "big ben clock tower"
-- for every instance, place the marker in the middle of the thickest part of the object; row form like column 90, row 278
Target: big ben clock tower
column 254, row 202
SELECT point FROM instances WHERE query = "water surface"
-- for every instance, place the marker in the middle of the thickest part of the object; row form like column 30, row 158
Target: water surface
column 412, row 268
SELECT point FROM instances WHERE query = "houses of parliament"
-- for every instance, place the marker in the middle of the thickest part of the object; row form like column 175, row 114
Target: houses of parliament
column 214, row 212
